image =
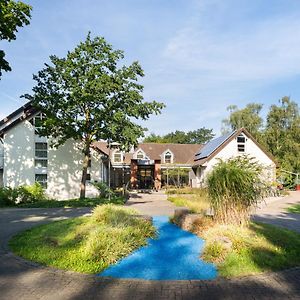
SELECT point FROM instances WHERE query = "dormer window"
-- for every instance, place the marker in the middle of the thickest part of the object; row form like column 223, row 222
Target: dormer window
column 241, row 143
column 118, row 157
column 168, row 157
column 140, row 155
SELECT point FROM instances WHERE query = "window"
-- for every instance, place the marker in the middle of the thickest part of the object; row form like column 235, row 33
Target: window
column 241, row 147
column 90, row 163
column 88, row 177
column 241, row 142
column 41, row 179
column 168, row 157
column 41, row 150
column 241, row 139
column 118, row 157
column 41, row 154
column 37, row 121
column 140, row 155
column 41, row 163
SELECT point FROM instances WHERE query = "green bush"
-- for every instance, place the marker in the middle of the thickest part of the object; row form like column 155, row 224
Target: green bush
column 31, row 193
column 21, row 195
column 234, row 186
column 8, row 196
column 104, row 190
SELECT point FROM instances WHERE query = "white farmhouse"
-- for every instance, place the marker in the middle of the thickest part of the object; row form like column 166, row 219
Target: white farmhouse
column 26, row 158
column 237, row 143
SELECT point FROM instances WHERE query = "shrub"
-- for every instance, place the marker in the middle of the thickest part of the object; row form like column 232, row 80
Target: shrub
column 234, row 186
column 21, row 195
column 30, row 193
column 103, row 189
column 8, row 196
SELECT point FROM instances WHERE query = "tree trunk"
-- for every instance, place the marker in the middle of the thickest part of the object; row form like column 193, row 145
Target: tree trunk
column 87, row 156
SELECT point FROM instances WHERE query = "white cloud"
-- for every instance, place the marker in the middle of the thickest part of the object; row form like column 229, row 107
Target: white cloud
column 269, row 49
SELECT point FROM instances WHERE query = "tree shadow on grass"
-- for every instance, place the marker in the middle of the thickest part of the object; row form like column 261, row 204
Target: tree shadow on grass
column 287, row 248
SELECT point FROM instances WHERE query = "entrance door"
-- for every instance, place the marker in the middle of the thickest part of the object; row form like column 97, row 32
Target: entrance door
column 145, row 177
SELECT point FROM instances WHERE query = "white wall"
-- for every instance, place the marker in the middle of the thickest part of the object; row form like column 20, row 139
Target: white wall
column 65, row 171
column 64, row 164
column 19, row 155
column 229, row 151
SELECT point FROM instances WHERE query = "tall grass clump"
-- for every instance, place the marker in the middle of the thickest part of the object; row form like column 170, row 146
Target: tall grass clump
column 234, row 186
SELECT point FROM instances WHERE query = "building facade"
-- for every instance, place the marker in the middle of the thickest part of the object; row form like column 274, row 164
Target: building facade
column 236, row 143
column 151, row 165
column 26, row 158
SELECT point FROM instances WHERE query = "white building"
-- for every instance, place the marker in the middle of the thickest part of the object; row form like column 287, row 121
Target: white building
column 26, row 158
column 236, row 143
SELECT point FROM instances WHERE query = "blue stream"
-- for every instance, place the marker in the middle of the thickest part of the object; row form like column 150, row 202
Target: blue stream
column 174, row 255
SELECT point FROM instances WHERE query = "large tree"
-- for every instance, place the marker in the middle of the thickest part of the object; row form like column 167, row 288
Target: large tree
column 198, row 136
column 282, row 133
column 247, row 117
column 89, row 96
column 12, row 15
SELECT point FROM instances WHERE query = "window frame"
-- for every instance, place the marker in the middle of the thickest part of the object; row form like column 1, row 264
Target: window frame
column 241, row 143
column 140, row 152
column 41, row 150
column 121, row 157
column 169, row 153
column 43, row 183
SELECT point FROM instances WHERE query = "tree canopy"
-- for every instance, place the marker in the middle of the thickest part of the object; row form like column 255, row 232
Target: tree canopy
column 88, row 96
column 12, row 15
column 247, row 117
column 280, row 134
column 198, row 136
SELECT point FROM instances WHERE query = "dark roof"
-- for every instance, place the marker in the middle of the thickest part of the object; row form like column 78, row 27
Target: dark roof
column 212, row 145
column 182, row 153
column 22, row 113
column 216, row 145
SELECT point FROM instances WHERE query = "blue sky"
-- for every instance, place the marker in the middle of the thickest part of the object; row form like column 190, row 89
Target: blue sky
column 198, row 56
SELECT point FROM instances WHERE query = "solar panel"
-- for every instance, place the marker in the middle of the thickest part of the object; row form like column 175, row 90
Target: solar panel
column 211, row 146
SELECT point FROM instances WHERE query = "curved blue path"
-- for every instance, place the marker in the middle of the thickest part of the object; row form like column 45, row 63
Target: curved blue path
column 173, row 256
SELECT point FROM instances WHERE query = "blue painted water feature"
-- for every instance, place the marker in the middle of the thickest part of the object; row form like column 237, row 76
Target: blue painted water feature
column 174, row 255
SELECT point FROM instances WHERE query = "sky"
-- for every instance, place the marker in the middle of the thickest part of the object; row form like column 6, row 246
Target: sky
column 199, row 56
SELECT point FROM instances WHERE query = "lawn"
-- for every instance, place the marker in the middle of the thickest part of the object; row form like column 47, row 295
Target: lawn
column 85, row 244
column 195, row 199
column 294, row 209
column 239, row 251
column 87, row 202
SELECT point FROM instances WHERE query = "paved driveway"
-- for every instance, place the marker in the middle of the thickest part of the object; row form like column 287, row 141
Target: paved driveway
column 274, row 212
column 20, row 279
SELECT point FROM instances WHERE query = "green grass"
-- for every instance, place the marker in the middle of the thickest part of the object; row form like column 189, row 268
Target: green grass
column 255, row 249
column 88, row 202
column 85, row 244
column 185, row 190
column 294, row 209
column 197, row 202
